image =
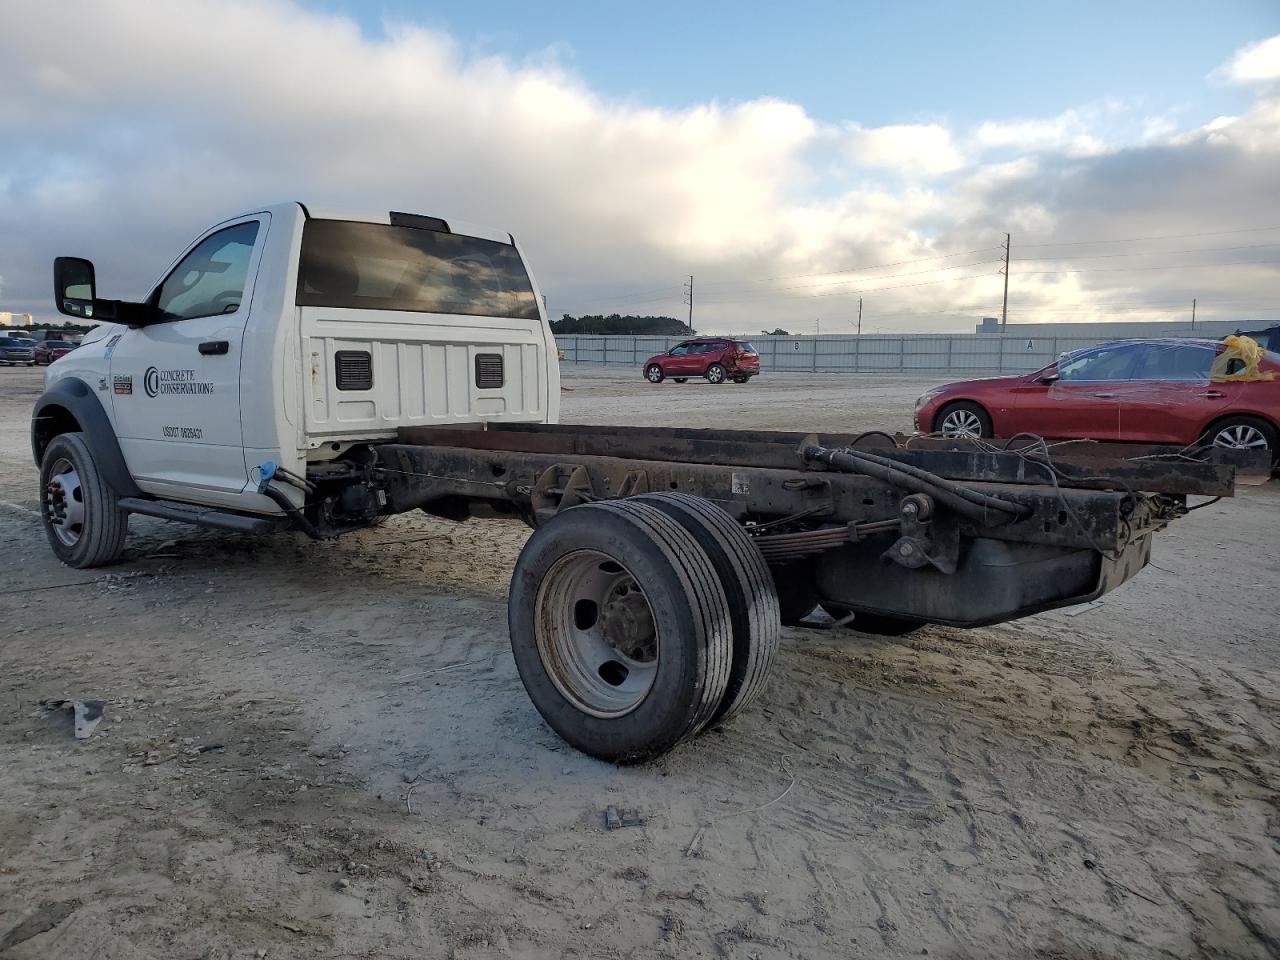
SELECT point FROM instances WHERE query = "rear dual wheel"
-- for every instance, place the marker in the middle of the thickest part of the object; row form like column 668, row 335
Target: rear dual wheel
column 637, row 623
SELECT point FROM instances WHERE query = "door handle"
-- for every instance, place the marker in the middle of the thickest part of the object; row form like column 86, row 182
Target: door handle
column 214, row 348
column 1105, row 396
column 1213, row 394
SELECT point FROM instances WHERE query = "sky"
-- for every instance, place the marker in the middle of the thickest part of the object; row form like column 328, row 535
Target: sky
column 793, row 158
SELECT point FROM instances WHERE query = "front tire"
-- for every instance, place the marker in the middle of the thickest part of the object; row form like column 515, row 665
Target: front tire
column 716, row 373
column 620, row 630
column 80, row 512
column 963, row 420
column 653, row 373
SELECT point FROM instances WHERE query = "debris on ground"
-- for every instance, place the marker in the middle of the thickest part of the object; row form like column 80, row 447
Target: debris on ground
column 87, row 714
column 615, row 819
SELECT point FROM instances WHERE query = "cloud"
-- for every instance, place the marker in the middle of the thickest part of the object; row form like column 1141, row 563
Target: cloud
column 1257, row 63
column 199, row 109
column 920, row 148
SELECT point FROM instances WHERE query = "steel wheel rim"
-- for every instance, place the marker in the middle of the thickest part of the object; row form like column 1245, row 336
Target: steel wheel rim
column 655, row 374
column 962, row 423
column 64, row 502
column 1240, row 436
column 715, row 375
column 596, row 634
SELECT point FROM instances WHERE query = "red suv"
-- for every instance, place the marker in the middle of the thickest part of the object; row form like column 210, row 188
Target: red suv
column 716, row 358
column 1150, row 391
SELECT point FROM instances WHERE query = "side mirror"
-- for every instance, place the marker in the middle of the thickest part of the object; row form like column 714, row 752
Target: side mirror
column 74, row 289
column 1049, row 377
column 75, row 294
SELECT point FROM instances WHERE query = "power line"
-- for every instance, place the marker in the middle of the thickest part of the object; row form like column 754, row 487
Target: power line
column 1165, row 266
column 1165, row 236
column 873, row 266
column 1147, row 253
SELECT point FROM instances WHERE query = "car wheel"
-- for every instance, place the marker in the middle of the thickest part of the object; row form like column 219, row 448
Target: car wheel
column 654, row 373
column 1245, row 433
column 81, row 513
column 715, row 373
column 680, row 379
column 31, row 363
column 741, row 379
column 963, row 420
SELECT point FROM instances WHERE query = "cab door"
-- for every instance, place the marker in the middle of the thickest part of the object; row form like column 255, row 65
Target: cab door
column 175, row 383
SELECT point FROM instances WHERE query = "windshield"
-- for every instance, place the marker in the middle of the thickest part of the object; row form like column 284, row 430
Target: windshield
column 373, row 266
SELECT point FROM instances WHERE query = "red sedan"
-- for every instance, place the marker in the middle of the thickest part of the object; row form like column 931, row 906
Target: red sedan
column 47, row 351
column 1151, row 391
column 716, row 358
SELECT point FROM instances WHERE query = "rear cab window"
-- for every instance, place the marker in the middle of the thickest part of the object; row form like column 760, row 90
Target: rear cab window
column 375, row 266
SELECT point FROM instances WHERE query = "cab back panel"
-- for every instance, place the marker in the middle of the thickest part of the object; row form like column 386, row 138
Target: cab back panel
column 370, row 372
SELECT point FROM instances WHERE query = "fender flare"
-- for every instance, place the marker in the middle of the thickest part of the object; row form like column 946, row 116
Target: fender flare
column 73, row 395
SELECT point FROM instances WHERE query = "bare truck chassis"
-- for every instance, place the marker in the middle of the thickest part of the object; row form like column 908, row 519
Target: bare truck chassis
column 647, row 605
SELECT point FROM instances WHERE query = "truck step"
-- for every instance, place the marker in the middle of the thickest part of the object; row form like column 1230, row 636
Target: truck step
column 200, row 516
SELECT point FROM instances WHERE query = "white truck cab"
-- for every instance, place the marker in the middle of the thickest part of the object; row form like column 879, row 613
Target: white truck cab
column 287, row 334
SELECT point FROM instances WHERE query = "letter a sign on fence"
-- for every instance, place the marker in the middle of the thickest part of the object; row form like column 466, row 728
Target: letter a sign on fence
column 1030, row 345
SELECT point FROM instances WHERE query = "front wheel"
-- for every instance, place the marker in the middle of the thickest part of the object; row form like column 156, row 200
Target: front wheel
column 716, row 373
column 654, row 373
column 963, row 420
column 1245, row 433
column 81, row 513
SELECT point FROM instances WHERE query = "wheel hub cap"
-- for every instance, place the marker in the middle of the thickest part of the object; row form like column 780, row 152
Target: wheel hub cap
column 64, row 503
column 962, row 423
column 596, row 634
column 1240, row 437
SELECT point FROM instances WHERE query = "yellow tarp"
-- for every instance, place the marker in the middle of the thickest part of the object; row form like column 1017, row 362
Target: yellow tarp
column 1248, row 352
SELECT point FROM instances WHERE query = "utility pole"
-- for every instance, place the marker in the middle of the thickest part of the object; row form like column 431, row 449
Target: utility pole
column 1193, row 313
column 817, row 326
column 544, row 306
column 1004, row 310
column 689, row 291
column 859, row 316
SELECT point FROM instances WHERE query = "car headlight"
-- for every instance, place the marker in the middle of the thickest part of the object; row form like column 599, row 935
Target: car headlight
column 927, row 396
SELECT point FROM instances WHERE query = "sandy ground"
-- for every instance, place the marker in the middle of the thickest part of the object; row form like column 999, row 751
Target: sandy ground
column 1091, row 786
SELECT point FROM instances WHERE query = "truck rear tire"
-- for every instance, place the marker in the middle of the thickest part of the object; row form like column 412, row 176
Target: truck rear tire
column 81, row 514
column 620, row 630
column 748, row 586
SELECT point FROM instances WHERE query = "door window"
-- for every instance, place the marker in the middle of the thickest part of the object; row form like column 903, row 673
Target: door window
column 1105, row 363
column 680, row 351
column 210, row 280
column 1173, row 361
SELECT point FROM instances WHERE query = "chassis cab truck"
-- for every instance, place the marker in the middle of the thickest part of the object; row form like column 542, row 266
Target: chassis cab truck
column 295, row 369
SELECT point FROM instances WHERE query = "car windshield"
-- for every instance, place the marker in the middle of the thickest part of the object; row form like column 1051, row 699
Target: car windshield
column 1109, row 362
column 59, row 344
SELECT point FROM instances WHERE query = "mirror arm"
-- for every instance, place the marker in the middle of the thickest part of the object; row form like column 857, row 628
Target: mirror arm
column 123, row 311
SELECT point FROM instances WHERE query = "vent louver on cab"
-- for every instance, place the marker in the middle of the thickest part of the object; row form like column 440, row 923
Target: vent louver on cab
column 489, row 372
column 353, row 369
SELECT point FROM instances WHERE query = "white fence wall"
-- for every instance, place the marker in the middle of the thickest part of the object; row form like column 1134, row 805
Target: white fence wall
column 961, row 354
